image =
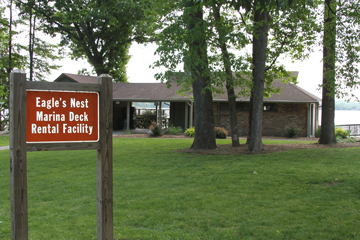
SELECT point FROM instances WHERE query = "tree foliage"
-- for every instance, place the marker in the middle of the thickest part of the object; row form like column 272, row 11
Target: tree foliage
column 10, row 58
column 99, row 30
column 41, row 54
column 347, row 53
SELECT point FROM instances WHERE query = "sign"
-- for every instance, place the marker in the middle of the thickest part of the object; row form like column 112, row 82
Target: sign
column 62, row 116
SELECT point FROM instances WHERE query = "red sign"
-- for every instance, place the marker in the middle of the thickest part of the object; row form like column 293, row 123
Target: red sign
column 62, row 116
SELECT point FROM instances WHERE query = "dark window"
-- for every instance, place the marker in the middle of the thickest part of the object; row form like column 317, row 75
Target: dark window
column 242, row 106
column 270, row 107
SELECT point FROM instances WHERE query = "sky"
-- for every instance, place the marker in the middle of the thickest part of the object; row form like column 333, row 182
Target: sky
column 310, row 70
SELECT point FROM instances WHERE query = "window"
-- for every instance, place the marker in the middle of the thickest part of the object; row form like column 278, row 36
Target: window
column 242, row 106
column 270, row 107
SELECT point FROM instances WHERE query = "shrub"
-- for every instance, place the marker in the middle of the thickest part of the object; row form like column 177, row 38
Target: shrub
column 155, row 129
column 318, row 132
column 339, row 139
column 339, row 132
column 292, row 131
column 351, row 140
column 174, row 130
column 220, row 132
column 190, row 132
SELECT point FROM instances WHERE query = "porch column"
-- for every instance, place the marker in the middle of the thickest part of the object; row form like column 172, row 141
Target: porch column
column 186, row 116
column 160, row 116
column 313, row 119
column 308, row 128
column 156, row 111
column 191, row 113
column 128, row 116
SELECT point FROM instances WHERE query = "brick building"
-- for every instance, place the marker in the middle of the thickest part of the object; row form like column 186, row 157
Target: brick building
column 293, row 106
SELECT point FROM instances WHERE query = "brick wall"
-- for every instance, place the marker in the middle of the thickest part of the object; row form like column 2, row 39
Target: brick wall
column 274, row 122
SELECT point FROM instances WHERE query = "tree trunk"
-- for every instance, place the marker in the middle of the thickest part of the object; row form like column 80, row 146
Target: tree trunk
column 31, row 44
column 261, row 22
column 327, row 135
column 229, row 78
column 10, row 40
column 203, row 103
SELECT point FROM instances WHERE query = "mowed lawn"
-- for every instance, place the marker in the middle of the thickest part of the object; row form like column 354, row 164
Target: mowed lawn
column 161, row 194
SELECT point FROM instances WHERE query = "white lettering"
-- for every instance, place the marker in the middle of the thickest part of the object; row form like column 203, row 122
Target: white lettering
column 33, row 128
column 78, row 117
column 37, row 101
column 78, row 104
column 39, row 116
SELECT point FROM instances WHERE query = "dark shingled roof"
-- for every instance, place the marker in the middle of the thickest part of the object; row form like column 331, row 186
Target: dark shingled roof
column 68, row 77
column 151, row 92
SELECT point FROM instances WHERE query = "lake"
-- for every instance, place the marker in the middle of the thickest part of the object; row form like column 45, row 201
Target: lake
column 345, row 117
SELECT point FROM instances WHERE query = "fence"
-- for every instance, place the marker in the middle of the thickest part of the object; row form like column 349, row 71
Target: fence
column 354, row 129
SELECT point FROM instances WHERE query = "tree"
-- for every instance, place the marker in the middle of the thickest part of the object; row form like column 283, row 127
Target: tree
column 327, row 135
column 10, row 58
column 277, row 29
column 41, row 53
column 200, row 74
column 102, row 31
column 184, row 41
column 227, row 34
column 260, row 39
column 341, row 60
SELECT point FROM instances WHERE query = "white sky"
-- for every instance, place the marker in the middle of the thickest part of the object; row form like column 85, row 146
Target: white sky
column 310, row 71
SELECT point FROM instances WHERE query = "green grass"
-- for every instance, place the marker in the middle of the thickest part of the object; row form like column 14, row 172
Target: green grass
column 160, row 194
column 4, row 140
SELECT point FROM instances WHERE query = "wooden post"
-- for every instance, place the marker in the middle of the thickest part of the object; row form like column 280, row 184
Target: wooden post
column 18, row 166
column 105, row 161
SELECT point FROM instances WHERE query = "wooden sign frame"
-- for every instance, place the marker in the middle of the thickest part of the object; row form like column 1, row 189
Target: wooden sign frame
column 19, row 149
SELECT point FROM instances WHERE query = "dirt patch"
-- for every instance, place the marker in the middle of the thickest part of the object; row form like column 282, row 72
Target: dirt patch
column 148, row 136
column 227, row 149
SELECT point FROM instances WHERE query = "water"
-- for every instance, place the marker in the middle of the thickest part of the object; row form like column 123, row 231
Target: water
column 345, row 117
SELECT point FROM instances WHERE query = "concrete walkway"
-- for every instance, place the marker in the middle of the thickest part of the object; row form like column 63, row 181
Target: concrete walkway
column 115, row 133
column 4, row 148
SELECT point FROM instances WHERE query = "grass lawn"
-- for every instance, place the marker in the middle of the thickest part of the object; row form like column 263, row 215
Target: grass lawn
column 4, row 140
column 160, row 194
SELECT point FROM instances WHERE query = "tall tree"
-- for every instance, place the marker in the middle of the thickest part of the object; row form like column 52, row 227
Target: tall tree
column 10, row 58
column 260, row 39
column 341, row 60
column 277, row 30
column 42, row 54
column 184, row 41
column 101, row 31
column 200, row 74
column 228, row 34
column 327, row 135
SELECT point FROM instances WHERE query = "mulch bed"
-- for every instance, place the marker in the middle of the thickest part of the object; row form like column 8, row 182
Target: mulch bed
column 227, row 149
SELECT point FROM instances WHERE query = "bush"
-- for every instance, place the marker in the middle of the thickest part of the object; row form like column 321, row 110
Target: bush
column 351, row 140
column 174, row 130
column 292, row 131
column 190, row 132
column 339, row 132
column 339, row 139
column 318, row 132
column 220, row 132
column 155, row 129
